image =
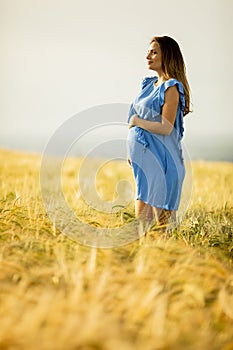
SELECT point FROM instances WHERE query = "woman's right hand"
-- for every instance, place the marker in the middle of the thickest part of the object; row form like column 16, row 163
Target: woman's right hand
column 133, row 121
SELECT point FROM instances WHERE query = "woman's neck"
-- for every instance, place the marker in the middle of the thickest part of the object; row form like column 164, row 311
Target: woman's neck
column 161, row 78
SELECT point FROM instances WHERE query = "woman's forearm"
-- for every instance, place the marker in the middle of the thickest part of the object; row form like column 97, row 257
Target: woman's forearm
column 163, row 127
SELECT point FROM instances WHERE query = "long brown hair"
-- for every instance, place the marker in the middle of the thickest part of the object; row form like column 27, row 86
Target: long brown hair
column 173, row 64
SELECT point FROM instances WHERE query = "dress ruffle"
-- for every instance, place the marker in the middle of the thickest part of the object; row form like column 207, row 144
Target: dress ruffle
column 146, row 81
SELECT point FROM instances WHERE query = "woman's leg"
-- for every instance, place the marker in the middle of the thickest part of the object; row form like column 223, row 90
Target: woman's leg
column 143, row 211
column 163, row 216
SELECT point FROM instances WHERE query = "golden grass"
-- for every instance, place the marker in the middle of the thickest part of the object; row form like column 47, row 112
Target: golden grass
column 157, row 293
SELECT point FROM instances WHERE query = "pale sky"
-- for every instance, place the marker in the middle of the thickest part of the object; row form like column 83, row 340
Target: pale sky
column 62, row 57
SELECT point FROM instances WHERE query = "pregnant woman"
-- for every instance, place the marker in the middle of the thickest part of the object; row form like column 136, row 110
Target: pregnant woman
column 155, row 133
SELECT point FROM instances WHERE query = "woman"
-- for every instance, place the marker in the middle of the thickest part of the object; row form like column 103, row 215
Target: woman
column 155, row 133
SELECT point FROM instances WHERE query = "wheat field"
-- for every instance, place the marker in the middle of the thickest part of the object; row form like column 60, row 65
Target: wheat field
column 158, row 293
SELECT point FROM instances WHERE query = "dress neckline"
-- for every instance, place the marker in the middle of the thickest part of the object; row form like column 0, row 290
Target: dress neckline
column 156, row 80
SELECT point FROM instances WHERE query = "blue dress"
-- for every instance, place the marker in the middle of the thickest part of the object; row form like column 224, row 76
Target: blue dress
column 157, row 161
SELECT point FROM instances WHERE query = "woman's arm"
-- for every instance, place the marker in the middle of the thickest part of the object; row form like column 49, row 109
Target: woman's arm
column 171, row 100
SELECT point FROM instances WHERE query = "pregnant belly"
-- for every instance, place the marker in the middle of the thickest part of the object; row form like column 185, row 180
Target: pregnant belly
column 132, row 135
column 138, row 135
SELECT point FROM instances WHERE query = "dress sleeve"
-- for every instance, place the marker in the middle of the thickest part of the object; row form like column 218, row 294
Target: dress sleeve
column 166, row 85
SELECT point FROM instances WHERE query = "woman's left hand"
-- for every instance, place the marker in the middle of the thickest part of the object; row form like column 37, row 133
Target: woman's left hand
column 133, row 121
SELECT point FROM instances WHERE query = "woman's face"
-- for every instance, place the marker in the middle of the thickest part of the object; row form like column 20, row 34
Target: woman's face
column 154, row 57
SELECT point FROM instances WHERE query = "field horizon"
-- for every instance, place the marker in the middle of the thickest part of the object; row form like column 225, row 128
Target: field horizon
column 161, row 292
column 200, row 146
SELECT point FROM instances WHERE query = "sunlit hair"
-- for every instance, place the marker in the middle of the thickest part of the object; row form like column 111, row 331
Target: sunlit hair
column 173, row 64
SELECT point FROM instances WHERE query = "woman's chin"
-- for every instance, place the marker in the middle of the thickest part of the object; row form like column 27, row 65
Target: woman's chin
column 149, row 67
